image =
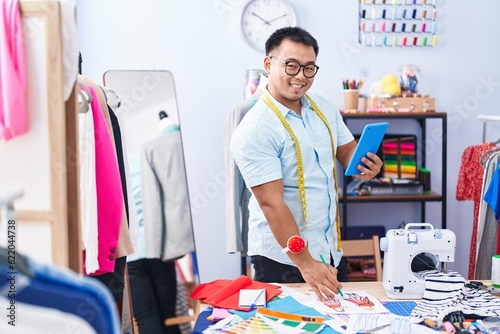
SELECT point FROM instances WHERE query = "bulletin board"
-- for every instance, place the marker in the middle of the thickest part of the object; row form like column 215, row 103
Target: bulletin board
column 397, row 23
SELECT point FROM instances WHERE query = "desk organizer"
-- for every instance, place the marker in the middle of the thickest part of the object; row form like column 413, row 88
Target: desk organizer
column 401, row 103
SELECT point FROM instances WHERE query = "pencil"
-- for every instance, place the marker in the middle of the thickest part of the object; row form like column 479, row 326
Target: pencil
column 326, row 264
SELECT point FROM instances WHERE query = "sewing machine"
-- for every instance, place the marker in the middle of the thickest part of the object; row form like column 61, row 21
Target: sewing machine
column 401, row 248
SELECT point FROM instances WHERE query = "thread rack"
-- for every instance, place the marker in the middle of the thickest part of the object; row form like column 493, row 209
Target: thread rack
column 397, row 23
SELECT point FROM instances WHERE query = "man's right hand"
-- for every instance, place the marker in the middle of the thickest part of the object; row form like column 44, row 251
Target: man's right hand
column 322, row 280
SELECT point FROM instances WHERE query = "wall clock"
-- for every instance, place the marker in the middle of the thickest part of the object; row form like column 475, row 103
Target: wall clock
column 260, row 18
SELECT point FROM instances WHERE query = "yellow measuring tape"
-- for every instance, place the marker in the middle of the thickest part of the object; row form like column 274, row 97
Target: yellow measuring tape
column 300, row 168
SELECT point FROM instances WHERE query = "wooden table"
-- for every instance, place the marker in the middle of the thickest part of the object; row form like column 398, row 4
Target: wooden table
column 374, row 289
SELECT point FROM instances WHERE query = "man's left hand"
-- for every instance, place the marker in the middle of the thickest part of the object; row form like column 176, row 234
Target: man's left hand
column 374, row 166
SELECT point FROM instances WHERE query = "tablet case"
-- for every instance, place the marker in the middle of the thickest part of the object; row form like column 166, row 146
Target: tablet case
column 370, row 140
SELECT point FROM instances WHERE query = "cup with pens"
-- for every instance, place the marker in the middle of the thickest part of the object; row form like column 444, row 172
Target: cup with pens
column 351, row 94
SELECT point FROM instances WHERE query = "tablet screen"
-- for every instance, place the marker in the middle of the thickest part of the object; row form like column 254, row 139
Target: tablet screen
column 370, row 140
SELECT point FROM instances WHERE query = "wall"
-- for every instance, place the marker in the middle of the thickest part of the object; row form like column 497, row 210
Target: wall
column 199, row 42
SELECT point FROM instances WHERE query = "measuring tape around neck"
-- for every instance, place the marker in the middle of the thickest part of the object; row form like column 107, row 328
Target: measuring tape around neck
column 300, row 169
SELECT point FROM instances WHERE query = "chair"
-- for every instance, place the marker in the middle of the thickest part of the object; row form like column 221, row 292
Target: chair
column 364, row 248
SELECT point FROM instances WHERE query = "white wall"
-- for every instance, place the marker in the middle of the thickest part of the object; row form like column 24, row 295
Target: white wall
column 199, row 42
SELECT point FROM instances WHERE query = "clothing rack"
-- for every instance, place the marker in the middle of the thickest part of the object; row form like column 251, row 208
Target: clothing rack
column 486, row 119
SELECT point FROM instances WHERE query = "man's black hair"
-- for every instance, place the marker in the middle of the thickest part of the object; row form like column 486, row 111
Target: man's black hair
column 294, row 34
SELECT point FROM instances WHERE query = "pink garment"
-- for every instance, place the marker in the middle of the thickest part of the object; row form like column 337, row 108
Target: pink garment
column 109, row 191
column 13, row 114
column 469, row 186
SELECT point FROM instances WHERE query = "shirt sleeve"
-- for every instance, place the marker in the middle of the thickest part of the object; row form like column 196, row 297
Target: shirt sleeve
column 256, row 151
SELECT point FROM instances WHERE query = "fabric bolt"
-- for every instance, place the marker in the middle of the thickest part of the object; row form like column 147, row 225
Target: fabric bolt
column 487, row 230
column 13, row 112
column 262, row 146
column 446, row 293
column 108, row 185
column 237, row 194
column 166, row 211
column 88, row 190
column 469, row 186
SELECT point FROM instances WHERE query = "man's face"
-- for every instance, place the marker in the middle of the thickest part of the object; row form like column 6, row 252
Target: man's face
column 288, row 89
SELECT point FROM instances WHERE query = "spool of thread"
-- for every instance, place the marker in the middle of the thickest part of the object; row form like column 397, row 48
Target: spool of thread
column 495, row 271
column 430, row 323
column 449, row 328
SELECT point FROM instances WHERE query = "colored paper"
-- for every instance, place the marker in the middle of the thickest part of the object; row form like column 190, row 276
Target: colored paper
column 225, row 293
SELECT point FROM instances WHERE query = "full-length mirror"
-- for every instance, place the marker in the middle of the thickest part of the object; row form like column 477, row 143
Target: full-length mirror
column 165, row 250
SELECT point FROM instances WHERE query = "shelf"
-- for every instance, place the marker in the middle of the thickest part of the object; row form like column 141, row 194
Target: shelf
column 421, row 118
column 432, row 197
column 409, row 115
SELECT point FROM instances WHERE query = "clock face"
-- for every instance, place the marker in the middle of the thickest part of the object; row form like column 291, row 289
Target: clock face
column 260, row 18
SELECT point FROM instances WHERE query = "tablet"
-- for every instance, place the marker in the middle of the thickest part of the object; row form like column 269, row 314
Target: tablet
column 369, row 142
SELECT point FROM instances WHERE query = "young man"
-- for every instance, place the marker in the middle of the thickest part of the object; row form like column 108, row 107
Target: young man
column 285, row 148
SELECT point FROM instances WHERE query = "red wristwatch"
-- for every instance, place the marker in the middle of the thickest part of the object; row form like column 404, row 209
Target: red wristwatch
column 295, row 245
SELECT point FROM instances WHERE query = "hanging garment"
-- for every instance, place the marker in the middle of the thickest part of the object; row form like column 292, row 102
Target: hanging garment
column 166, row 211
column 88, row 192
column 114, row 101
column 42, row 320
column 487, row 225
column 492, row 198
column 469, row 186
column 61, row 289
column 13, row 113
column 109, row 196
column 124, row 243
column 237, row 193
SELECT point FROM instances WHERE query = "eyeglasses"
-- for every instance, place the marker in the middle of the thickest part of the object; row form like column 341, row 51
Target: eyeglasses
column 293, row 68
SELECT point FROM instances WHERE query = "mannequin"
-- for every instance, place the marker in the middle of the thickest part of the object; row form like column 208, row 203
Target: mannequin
column 166, row 229
column 165, row 121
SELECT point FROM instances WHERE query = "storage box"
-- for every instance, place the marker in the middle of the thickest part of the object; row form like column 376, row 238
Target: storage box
column 404, row 103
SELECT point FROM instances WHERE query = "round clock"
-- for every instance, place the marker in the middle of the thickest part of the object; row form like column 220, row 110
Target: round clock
column 260, row 18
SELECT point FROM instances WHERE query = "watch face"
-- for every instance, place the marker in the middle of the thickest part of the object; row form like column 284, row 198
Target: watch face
column 260, row 18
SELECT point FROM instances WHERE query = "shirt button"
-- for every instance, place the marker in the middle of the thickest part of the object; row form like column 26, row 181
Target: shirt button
column 112, row 250
column 111, row 257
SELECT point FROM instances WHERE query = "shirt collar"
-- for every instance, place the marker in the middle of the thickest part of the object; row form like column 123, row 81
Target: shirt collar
column 306, row 105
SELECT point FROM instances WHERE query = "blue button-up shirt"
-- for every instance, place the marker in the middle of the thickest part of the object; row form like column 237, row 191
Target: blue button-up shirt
column 264, row 151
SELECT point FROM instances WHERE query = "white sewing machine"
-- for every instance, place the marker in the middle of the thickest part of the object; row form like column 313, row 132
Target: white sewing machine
column 401, row 248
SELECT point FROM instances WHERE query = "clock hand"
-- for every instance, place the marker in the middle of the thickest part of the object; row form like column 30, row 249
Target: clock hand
column 277, row 18
column 253, row 13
